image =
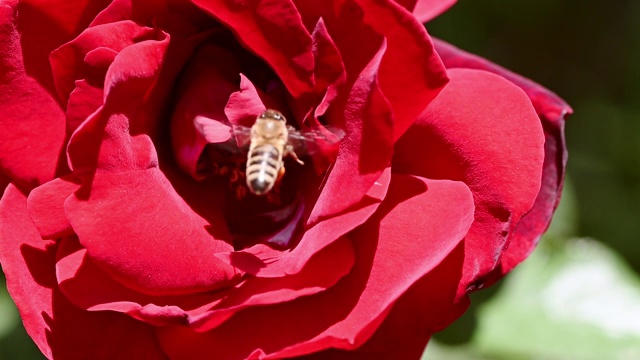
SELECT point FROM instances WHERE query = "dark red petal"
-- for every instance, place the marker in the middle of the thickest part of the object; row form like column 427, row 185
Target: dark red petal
column 481, row 130
column 329, row 73
column 138, row 229
column 180, row 17
column 411, row 73
column 45, row 27
column 46, row 207
column 536, row 221
column 420, row 311
column 27, row 262
column 61, row 330
column 84, row 100
column 552, row 111
column 89, row 287
column 273, row 263
column 390, row 257
column 366, row 149
column 105, row 139
column 427, row 307
column 69, row 62
column 321, row 272
column 247, row 103
column 209, row 79
column 274, row 31
column 32, row 123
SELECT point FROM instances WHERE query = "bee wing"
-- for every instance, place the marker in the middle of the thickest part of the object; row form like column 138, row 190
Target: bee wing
column 238, row 142
column 311, row 142
column 242, row 135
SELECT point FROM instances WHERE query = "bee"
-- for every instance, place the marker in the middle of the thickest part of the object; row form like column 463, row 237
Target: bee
column 270, row 140
column 269, row 145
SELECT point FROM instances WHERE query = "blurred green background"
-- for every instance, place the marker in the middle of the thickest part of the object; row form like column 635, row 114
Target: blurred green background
column 576, row 298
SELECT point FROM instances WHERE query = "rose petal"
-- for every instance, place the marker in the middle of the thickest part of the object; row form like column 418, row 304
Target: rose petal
column 247, row 103
column 105, row 139
column 480, row 130
column 27, row 262
column 418, row 313
column 45, row 204
column 369, row 130
column 58, row 328
column 537, row 220
column 390, row 257
column 132, row 240
column 43, row 28
column 84, row 100
column 329, row 72
column 274, row 264
column 90, row 288
column 209, row 79
column 411, row 73
column 32, row 122
column 321, row 272
column 68, row 62
column 552, row 111
column 273, row 31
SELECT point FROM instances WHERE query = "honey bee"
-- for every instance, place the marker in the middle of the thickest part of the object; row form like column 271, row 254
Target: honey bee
column 269, row 145
column 271, row 140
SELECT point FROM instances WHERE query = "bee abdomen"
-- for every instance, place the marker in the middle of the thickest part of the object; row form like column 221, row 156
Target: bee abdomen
column 263, row 165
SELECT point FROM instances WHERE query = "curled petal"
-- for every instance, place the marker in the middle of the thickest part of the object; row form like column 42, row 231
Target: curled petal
column 247, row 103
column 411, row 73
column 90, row 288
column 329, row 72
column 275, row 264
column 552, row 111
column 45, row 204
column 165, row 228
column 479, row 130
column 369, row 130
column 320, row 273
column 69, row 61
column 274, row 31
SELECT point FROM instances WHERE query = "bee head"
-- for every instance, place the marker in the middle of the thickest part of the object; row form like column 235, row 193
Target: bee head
column 272, row 114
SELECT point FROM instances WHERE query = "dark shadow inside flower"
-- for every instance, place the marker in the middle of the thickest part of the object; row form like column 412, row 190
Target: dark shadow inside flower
column 222, row 91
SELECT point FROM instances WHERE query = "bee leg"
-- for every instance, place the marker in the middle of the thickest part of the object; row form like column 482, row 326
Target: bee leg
column 290, row 152
column 280, row 173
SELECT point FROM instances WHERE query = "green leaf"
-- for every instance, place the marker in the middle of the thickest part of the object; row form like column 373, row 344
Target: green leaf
column 9, row 317
column 580, row 302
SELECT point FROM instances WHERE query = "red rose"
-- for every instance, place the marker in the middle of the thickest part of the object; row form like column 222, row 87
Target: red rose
column 126, row 232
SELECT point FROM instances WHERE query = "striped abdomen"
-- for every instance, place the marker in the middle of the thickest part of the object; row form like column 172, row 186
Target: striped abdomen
column 263, row 165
